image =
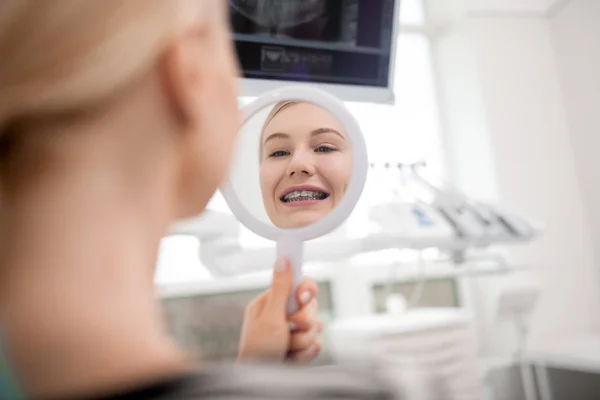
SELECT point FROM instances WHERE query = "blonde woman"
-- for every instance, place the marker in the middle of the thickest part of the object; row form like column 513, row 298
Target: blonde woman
column 305, row 164
column 117, row 117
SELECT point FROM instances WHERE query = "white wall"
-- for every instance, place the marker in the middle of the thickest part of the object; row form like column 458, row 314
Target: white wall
column 535, row 166
column 509, row 7
column 502, row 100
column 576, row 35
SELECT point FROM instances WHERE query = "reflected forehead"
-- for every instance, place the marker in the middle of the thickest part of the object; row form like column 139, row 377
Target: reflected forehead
column 302, row 119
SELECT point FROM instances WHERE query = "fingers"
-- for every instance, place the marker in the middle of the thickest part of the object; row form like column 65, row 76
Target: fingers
column 306, row 291
column 255, row 307
column 305, row 319
column 281, row 287
column 305, row 339
column 305, row 356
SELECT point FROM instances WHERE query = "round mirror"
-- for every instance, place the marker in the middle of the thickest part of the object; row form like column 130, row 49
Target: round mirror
column 293, row 164
column 298, row 170
column 299, row 166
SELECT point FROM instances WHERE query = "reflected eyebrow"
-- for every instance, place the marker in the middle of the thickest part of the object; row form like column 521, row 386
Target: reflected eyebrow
column 326, row 130
column 276, row 135
column 318, row 131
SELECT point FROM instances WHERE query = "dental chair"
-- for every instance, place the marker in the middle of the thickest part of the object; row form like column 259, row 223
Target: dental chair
column 441, row 340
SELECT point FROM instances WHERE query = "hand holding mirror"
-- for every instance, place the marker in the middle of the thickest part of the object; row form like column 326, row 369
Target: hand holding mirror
column 299, row 169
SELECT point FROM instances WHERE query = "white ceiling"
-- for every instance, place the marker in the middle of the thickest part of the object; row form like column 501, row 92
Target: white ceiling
column 517, row 7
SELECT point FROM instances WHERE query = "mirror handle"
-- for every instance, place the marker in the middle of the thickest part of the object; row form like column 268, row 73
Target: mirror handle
column 292, row 249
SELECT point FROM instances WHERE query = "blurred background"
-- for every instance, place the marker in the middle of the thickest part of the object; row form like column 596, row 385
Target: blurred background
column 475, row 248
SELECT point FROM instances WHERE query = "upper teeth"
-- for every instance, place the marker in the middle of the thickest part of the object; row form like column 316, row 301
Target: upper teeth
column 297, row 195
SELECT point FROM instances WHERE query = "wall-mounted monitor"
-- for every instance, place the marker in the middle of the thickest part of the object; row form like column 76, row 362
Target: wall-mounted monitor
column 345, row 46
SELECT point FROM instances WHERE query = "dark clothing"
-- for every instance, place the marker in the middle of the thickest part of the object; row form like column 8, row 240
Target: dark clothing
column 263, row 382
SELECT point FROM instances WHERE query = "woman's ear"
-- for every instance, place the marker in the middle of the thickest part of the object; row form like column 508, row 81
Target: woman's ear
column 182, row 75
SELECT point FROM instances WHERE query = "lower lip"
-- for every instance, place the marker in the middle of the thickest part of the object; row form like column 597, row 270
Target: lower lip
column 301, row 203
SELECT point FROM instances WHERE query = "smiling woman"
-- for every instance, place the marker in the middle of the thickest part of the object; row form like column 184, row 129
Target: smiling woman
column 305, row 164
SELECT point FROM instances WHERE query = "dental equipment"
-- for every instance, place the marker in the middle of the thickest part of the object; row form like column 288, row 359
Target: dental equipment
column 451, row 223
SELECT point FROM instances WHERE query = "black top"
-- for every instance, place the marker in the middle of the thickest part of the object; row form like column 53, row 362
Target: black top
column 263, row 382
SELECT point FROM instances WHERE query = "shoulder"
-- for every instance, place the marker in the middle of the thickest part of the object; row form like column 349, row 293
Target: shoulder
column 272, row 382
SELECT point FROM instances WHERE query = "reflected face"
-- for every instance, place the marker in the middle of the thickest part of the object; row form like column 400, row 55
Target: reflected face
column 305, row 165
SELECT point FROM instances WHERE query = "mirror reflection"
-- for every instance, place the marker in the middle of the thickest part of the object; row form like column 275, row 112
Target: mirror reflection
column 293, row 164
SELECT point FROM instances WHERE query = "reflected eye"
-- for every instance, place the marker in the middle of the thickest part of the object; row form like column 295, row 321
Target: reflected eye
column 279, row 153
column 324, row 149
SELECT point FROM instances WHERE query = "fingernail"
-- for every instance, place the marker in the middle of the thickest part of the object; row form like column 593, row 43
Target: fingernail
column 305, row 296
column 280, row 264
column 292, row 326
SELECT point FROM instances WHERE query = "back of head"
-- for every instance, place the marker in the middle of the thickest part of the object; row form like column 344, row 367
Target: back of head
column 66, row 54
column 62, row 58
column 77, row 81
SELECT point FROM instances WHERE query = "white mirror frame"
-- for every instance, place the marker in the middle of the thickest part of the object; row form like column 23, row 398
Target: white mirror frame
column 357, row 181
column 290, row 241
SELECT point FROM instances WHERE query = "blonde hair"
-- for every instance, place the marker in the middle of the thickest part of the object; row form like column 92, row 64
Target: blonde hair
column 277, row 108
column 64, row 56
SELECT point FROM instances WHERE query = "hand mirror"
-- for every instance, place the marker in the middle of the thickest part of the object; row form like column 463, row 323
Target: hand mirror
column 298, row 169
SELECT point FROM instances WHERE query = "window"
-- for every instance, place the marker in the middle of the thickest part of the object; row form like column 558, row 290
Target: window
column 404, row 132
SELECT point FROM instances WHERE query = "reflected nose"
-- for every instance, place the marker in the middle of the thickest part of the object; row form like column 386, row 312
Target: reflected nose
column 301, row 165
